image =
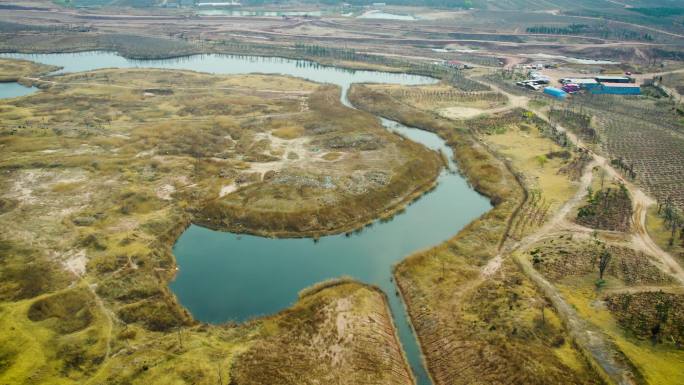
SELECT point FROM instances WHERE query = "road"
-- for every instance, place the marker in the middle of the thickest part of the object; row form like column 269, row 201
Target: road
column 590, row 339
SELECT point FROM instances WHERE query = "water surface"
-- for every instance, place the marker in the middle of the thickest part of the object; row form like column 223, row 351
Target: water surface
column 225, row 64
column 14, row 90
column 385, row 16
column 224, row 276
column 244, row 13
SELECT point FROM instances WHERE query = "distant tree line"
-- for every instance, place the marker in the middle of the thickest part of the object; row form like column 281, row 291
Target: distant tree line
column 322, row 51
column 572, row 29
column 603, row 31
column 658, row 11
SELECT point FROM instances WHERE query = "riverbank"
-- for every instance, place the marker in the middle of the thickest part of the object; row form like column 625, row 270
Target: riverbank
column 110, row 198
column 132, row 278
column 15, row 70
column 136, row 47
column 338, row 333
column 444, row 285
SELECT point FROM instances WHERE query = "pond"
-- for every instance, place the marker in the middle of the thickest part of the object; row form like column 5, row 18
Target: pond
column 14, row 90
column 244, row 13
column 224, row 276
column 385, row 16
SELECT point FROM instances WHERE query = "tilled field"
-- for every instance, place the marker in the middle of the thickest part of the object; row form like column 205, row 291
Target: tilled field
column 656, row 153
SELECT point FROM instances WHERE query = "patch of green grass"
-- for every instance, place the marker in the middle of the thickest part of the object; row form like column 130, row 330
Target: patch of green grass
column 661, row 234
column 659, row 364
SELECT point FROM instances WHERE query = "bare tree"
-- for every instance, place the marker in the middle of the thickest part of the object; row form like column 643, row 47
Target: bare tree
column 542, row 306
column 604, row 260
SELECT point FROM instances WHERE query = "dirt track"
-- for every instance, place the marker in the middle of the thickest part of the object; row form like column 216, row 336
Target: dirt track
column 590, row 339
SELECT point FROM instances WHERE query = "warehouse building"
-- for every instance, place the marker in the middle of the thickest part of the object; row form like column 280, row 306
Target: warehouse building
column 617, row 89
column 614, row 79
column 584, row 83
column 555, row 92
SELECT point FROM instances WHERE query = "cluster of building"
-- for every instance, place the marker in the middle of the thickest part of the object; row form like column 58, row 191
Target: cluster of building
column 535, row 82
column 536, row 66
column 599, row 85
column 177, row 3
column 456, row 64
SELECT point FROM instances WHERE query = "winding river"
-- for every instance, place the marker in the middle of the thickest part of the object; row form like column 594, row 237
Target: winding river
column 224, row 276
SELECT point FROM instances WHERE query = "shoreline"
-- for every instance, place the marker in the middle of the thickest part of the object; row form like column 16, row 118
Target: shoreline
column 387, row 213
column 164, row 243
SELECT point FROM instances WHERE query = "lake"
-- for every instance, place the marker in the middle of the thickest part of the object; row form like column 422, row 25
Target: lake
column 385, row 16
column 233, row 277
column 14, row 90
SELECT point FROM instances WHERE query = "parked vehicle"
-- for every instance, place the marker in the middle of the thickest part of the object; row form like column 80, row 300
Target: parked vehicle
column 555, row 92
column 571, row 88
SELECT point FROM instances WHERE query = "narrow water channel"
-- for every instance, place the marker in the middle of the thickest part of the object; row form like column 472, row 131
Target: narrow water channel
column 225, row 276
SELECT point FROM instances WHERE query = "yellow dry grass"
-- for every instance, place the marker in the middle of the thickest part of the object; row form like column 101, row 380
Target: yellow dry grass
column 661, row 234
column 12, row 69
column 527, row 150
column 289, row 132
column 659, row 364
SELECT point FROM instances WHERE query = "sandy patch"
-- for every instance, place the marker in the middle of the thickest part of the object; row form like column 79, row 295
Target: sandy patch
column 460, row 112
column 227, row 189
column 23, row 187
column 343, row 306
column 144, row 154
column 491, row 267
column 164, row 192
column 75, row 262
column 29, row 184
column 284, row 146
column 183, row 180
column 126, row 224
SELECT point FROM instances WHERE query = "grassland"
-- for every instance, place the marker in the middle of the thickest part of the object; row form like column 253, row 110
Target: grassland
column 103, row 170
column 445, row 99
column 12, row 70
column 637, row 305
column 661, row 233
column 634, row 303
column 474, row 329
column 131, row 46
column 261, row 157
column 346, row 324
column 67, row 337
column 545, row 168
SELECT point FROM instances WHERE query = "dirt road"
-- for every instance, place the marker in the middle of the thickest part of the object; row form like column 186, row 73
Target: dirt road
column 592, row 340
